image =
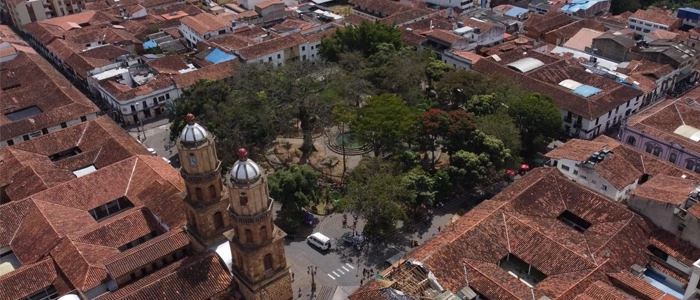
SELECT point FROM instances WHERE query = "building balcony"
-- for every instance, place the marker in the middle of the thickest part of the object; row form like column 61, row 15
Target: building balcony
column 567, row 119
column 199, row 178
column 578, row 125
column 254, row 218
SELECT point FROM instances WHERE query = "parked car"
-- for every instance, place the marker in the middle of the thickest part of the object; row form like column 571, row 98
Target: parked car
column 319, row 240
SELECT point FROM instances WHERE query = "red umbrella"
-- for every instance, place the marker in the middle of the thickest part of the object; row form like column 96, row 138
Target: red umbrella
column 524, row 167
column 510, row 172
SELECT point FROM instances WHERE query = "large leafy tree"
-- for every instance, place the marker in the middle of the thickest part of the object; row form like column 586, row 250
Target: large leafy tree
column 469, row 168
column 490, row 146
column 502, row 127
column 377, row 193
column 457, row 87
column 238, row 119
column 384, row 122
column 459, row 130
column 294, row 187
column 538, row 119
column 423, row 186
column 481, row 105
column 364, row 38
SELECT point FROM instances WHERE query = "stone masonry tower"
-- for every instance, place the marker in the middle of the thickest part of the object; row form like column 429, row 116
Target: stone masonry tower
column 205, row 202
column 257, row 245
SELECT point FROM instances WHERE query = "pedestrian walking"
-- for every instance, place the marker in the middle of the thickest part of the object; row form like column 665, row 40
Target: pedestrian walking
column 439, row 229
column 362, row 281
column 292, row 276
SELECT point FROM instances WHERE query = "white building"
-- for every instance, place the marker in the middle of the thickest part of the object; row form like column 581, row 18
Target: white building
column 610, row 167
column 461, row 4
column 202, row 27
column 644, row 21
column 480, row 32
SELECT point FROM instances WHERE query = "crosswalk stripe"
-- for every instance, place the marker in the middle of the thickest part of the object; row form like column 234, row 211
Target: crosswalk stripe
column 336, row 274
column 341, row 272
column 331, row 276
column 349, row 265
column 346, row 269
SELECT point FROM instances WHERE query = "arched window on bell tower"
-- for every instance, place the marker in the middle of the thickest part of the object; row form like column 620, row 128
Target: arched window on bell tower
column 198, row 194
column 244, row 199
column 263, row 233
column 249, row 236
column 212, row 192
column 267, row 262
column 218, row 221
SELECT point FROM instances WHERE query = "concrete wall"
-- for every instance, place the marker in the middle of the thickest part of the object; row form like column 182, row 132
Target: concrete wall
column 590, row 178
column 662, row 214
column 592, row 128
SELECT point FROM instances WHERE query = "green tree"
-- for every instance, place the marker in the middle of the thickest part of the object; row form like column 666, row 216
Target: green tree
column 364, row 38
column 457, row 87
column 423, row 185
column 459, row 131
column 443, row 185
column 619, row 6
column 294, row 187
column 481, row 105
column 502, row 126
column 436, row 69
column 491, row 146
column 468, row 168
column 538, row 119
column 238, row 119
column 384, row 122
column 377, row 193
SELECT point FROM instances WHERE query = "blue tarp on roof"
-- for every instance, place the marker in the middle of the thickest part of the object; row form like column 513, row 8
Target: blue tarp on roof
column 516, row 11
column 586, row 90
column 218, row 56
column 150, row 44
column 577, row 5
column 689, row 13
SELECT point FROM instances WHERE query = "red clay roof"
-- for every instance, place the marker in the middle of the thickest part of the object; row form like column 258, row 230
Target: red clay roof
column 210, row 72
column 30, row 71
column 271, row 46
column 657, row 16
column 201, row 276
column 29, row 169
column 667, row 189
column 625, row 166
column 664, row 118
column 204, row 23
column 29, row 279
column 546, row 80
column 522, row 220
column 152, row 250
column 383, row 7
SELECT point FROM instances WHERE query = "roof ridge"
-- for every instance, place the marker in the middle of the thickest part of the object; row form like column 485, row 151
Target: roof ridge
column 494, row 281
column 679, row 112
column 505, row 225
column 131, row 176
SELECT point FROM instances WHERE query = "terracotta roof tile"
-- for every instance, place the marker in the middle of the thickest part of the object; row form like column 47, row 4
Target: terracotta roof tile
column 664, row 188
column 210, row 72
column 169, row 64
column 406, row 16
column 200, row 276
column 523, row 220
column 28, row 279
column 120, row 230
column 123, row 92
column 271, row 46
column 601, row 291
column 383, row 7
column 412, row 38
column 135, row 258
column 636, row 286
column 656, row 16
column 546, row 80
column 205, row 22
column 663, row 119
column 443, row 35
column 31, row 71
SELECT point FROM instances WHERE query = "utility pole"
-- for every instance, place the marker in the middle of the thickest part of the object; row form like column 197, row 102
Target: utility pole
column 312, row 271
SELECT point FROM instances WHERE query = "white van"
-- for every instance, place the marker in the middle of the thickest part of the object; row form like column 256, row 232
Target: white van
column 319, row 240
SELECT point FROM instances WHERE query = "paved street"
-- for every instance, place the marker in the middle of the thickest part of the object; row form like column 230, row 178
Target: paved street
column 343, row 266
column 157, row 137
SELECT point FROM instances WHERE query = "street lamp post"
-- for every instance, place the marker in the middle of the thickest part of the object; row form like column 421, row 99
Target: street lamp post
column 312, row 271
column 140, row 124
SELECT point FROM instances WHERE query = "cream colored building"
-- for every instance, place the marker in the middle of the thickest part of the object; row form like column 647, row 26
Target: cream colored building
column 23, row 12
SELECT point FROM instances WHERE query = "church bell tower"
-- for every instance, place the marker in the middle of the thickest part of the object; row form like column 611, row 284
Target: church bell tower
column 205, row 202
column 257, row 245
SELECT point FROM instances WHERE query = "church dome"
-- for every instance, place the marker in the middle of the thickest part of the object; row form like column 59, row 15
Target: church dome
column 245, row 171
column 193, row 133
